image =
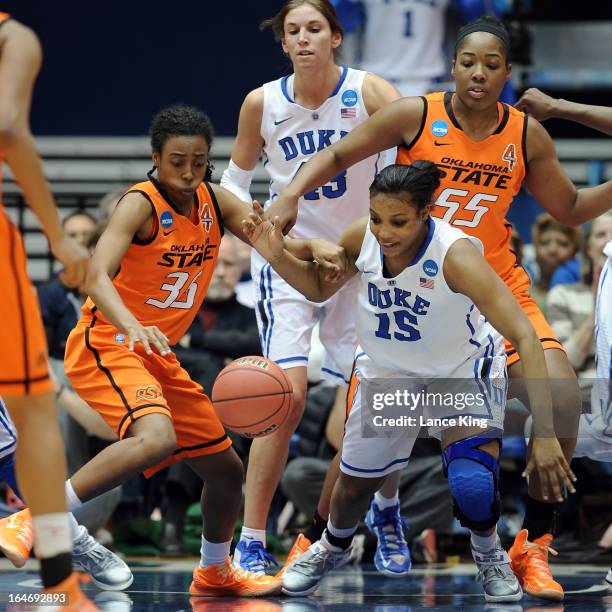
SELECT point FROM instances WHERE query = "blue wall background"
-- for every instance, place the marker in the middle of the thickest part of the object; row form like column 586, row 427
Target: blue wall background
column 109, row 66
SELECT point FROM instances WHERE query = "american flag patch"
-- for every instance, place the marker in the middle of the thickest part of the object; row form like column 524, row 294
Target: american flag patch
column 348, row 113
column 426, row 283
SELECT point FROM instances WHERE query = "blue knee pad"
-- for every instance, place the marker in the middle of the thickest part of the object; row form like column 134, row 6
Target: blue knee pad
column 473, row 477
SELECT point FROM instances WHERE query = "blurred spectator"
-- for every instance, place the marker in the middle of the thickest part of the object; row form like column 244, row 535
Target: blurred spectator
column 107, row 203
column 245, row 291
column 61, row 305
column 555, row 244
column 570, row 307
column 516, row 246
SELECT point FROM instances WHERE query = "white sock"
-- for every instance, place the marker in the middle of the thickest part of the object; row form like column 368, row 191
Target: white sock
column 340, row 533
column 51, row 534
column 73, row 501
column 484, row 542
column 214, row 554
column 248, row 535
column 75, row 532
column 384, row 502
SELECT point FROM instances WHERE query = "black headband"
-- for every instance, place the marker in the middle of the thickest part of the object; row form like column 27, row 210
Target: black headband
column 480, row 26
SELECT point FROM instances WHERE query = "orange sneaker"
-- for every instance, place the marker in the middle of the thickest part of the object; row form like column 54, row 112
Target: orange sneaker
column 529, row 562
column 300, row 546
column 75, row 600
column 226, row 580
column 16, row 537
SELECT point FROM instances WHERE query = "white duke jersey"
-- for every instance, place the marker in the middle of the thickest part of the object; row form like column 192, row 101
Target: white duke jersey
column 414, row 323
column 404, row 39
column 8, row 433
column 293, row 134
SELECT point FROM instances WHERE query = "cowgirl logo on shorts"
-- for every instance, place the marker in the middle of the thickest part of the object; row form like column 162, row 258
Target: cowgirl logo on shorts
column 148, row 393
column 207, row 220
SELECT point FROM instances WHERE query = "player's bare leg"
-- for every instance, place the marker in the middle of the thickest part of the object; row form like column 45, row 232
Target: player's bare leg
column 221, row 495
column 267, row 460
column 530, row 557
column 40, row 465
column 150, row 439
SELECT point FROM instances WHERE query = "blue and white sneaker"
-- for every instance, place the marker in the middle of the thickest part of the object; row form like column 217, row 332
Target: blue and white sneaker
column 253, row 557
column 392, row 556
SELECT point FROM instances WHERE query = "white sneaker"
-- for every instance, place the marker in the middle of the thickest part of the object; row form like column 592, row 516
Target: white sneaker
column 106, row 569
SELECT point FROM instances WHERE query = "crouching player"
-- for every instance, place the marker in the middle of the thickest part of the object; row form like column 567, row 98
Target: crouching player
column 425, row 290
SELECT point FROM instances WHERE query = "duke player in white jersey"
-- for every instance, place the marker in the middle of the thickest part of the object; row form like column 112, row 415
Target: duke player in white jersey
column 286, row 122
column 424, row 292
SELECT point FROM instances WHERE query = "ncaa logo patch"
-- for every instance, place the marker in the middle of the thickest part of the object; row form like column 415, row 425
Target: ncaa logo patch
column 120, row 338
column 430, row 267
column 439, row 128
column 166, row 219
column 349, row 97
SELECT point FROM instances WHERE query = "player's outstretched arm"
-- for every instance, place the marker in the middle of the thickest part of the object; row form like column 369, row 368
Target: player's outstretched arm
column 20, row 60
column 553, row 189
column 542, row 107
column 247, row 147
column 466, row 271
column 393, row 124
column 315, row 281
column 131, row 216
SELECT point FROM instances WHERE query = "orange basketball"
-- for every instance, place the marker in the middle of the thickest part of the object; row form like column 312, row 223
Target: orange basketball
column 252, row 396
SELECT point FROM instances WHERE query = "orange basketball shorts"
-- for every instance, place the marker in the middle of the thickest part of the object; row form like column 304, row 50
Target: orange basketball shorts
column 124, row 385
column 24, row 368
column 519, row 282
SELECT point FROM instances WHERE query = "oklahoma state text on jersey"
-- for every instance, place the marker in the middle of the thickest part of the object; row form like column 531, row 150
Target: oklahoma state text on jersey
column 163, row 280
column 481, row 178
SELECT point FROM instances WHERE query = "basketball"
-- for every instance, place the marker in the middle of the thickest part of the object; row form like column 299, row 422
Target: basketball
column 252, row 396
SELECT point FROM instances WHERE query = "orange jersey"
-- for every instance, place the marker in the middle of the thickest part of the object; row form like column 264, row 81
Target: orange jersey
column 163, row 281
column 481, row 178
column 4, row 17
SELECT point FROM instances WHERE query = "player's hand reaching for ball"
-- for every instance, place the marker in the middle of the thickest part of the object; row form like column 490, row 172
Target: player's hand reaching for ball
column 331, row 257
column 537, row 104
column 552, row 468
column 266, row 237
column 75, row 258
column 148, row 336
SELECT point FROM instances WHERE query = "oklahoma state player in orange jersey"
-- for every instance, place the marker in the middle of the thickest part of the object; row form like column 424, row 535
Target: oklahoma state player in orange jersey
column 148, row 278
column 24, row 375
column 487, row 150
